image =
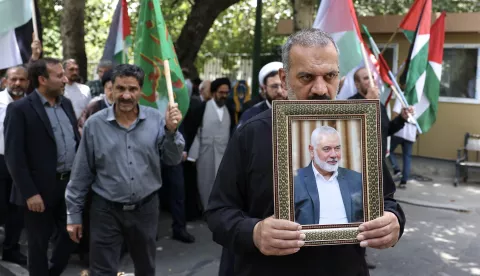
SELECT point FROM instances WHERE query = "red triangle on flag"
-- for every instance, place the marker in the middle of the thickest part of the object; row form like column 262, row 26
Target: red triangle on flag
column 125, row 20
column 437, row 39
column 410, row 21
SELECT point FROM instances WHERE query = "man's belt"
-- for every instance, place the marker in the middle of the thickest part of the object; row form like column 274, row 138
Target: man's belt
column 63, row 176
column 132, row 206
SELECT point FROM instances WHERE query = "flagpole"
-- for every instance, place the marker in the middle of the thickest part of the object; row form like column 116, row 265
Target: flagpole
column 168, row 78
column 34, row 20
column 389, row 41
column 125, row 49
column 395, row 87
column 365, row 58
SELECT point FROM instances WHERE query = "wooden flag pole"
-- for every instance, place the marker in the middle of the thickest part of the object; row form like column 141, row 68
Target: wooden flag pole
column 34, row 20
column 366, row 59
column 166, row 67
column 389, row 41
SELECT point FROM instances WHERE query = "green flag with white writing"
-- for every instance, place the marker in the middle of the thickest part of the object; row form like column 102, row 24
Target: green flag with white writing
column 153, row 45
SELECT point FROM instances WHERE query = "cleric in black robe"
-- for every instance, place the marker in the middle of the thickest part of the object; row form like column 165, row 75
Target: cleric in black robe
column 241, row 204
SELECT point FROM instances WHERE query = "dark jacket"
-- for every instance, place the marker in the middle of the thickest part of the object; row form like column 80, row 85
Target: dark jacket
column 255, row 100
column 252, row 112
column 243, row 195
column 189, row 126
column 30, row 148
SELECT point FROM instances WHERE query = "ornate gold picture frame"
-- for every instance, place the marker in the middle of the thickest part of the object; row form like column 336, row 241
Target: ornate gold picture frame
column 359, row 123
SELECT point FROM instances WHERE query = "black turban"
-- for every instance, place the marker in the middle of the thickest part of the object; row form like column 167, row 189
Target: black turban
column 107, row 76
column 219, row 82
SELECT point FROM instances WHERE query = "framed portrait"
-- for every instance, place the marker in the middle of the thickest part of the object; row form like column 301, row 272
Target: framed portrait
column 327, row 167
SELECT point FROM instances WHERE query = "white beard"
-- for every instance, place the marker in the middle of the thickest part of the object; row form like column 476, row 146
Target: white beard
column 324, row 165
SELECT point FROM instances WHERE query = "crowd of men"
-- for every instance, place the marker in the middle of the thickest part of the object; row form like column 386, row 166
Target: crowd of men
column 84, row 168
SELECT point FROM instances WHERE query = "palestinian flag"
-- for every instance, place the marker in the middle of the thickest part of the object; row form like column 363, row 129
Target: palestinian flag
column 415, row 71
column 119, row 37
column 16, row 31
column 382, row 67
column 338, row 18
column 411, row 19
column 153, row 45
column 426, row 109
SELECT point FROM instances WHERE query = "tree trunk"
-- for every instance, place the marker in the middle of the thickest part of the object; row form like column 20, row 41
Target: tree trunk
column 303, row 14
column 199, row 22
column 73, row 33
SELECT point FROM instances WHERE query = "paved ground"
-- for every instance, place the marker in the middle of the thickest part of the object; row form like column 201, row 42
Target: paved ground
column 441, row 237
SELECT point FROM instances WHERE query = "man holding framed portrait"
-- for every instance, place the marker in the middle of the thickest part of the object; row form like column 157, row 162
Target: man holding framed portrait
column 240, row 212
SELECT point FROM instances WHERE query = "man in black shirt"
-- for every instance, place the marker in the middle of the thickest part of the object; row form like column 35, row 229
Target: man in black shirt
column 240, row 210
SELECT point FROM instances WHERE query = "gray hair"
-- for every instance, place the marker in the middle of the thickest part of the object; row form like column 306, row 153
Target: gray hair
column 18, row 67
column 202, row 84
column 68, row 61
column 322, row 130
column 105, row 64
column 307, row 38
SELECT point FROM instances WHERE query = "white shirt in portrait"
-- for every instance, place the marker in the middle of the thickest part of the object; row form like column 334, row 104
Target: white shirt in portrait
column 332, row 209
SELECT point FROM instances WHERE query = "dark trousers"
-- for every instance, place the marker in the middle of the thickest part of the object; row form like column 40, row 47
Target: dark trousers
column 111, row 226
column 227, row 263
column 11, row 214
column 40, row 227
column 173, row 192
column 193, row 207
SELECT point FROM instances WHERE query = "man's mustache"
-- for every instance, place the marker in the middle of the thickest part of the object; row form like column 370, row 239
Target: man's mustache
column 319, row 97
column 126, row 101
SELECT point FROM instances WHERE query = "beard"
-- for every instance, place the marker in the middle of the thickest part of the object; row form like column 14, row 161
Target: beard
column 271, row 99
column 17, row 91
column 55, row 92
column 74, row 78
column 324, row 165
column 220, row 102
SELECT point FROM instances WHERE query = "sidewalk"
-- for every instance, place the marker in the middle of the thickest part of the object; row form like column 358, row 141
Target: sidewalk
column 434, row 192
column 431, row 185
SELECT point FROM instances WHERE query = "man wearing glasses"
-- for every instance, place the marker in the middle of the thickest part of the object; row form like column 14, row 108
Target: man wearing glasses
column 271, row 87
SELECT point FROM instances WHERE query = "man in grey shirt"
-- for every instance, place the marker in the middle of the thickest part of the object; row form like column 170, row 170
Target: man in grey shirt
column 119, row 159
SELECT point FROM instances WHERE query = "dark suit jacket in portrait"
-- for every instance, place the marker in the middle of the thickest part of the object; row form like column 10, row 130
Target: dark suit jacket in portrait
column 31, row 150
column 307, row 202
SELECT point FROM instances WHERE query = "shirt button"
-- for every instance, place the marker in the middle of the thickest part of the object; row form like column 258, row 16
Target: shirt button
column 131, row 163
column 128, row 147
column 132, row 178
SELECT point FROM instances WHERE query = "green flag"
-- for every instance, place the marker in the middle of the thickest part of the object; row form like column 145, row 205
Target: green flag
column 418, row 57
column 153, row 45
